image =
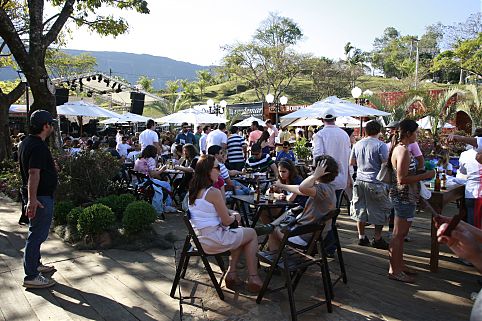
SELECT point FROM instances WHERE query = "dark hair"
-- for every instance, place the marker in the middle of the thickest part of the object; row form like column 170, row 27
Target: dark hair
column 256, row 148
column 406, row 128
column 149, row 151
column 201, row 178
column 112, row 143
column 184, row 124
column 286, row 143
column 255, row 123
column 191, row 150
column 268, row 122
column 214, row 149
column 75, row 143
column 205, row 128
column 290, row 166
column 233, row 129
column 150, row 123
column 34, row 130
column 264, row 137
column 348, row 131
column 478, row 132
column 331, row 168
column 373, row 128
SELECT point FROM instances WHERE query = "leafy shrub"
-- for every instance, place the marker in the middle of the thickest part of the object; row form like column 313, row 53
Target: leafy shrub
column 95, row 219
column 10, row 179
column 138, row 216
column 61, row 210
column 86, row 176
column 73, row 216
column 241, row 88
column 117, row 203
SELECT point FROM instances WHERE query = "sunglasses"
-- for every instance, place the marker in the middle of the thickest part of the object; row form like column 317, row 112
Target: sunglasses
column 218, row 167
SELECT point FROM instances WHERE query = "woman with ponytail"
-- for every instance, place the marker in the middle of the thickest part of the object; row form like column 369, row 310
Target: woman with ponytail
column 404, row 194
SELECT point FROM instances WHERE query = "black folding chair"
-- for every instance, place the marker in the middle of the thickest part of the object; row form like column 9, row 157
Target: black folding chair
column 293, row 262
column 189, row 250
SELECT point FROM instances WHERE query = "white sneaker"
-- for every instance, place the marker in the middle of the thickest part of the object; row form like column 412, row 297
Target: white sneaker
column 45, row 268
column 40, row 282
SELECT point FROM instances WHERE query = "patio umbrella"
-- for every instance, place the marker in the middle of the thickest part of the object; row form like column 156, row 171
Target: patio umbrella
column 307, row 122
column 340, row 106
column 126, row 118
column 191, row 116
column 426, row 123
column 247, row 122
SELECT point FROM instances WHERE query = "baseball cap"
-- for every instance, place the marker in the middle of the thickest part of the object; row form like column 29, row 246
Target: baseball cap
column 393, row 124
column 41, row 117
column 328, row 114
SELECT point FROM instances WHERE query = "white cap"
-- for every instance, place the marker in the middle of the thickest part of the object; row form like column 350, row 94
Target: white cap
column 328, row 114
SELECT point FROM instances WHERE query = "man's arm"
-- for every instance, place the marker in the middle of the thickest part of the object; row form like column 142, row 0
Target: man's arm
column 33, row 181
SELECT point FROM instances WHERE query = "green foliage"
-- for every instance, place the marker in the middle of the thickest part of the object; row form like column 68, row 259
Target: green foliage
column 87, row 176
column 61, row 211
column 95, row 219
column 300, row 149
column 117, row 203
column 73, row 216
column 61, row 64
column 138, row 216
column 10, row 179
column 146, row 83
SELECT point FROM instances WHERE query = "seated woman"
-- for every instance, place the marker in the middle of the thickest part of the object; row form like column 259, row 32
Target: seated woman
column 288, row 182
column 321, row 201
column 443, row 163
column 146, row 164
column 263, row 141
column 211, row 219
column 187, row 164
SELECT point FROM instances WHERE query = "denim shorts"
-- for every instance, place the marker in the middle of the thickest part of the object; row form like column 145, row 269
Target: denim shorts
column 405, row 211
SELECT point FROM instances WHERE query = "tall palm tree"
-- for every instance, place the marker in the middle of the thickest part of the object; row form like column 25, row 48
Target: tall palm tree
column 398, row 110
column 169, row 106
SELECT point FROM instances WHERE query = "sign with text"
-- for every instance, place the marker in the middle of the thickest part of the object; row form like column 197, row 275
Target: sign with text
column 246, row 110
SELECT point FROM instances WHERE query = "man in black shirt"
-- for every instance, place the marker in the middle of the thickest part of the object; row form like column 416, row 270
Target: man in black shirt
column 40, row 176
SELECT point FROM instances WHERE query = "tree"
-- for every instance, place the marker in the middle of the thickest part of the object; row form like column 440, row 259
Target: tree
column 267, row 63
column 61, row 64
column 146, row 83
column 330, row 78
column 203, row 80
column 355, row 62
column 28, row 33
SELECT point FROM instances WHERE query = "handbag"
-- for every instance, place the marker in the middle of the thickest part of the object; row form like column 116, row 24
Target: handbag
column 385, row 174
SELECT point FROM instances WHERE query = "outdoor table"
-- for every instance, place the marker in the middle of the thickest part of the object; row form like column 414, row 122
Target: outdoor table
column 254, row 181
column 438, row 201
column 263, row 204
column 172, row 174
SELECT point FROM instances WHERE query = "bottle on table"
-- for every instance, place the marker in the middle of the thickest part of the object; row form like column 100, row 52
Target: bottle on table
column 443, row 181
column 271, row 194
column 438, row 182
column 257, row 192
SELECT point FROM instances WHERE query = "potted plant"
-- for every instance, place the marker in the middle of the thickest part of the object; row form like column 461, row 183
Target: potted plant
column 301, row 151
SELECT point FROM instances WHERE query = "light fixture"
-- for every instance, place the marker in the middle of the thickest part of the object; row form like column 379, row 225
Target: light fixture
column 223, row 103
column 210, row 103
column 356, row 92
column 283, row 100
column 93, row 77
column 88, row 79
column 269, row 98
column 99, row 78
column 113, row 85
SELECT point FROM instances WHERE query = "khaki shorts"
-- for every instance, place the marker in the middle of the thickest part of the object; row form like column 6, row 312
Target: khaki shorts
column 370, row 203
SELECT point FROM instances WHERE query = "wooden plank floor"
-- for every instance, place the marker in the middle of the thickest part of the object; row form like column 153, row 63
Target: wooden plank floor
column 135, row 285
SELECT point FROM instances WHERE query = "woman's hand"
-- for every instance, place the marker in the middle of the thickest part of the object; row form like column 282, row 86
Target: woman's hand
column 236, row 215
column 320, row 169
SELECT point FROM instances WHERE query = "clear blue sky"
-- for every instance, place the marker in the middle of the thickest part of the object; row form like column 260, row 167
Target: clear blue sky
column 194, row 30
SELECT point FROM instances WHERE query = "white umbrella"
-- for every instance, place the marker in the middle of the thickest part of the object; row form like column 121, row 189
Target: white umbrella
column 307, row 122
column 426, row 123
column 126, row 118
column 191, row 116
column 345, row 121
column 84, row 109
column 339, row 106
column 247, row 122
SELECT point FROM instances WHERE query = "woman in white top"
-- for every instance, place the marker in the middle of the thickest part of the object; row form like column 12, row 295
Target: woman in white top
column 211, row 219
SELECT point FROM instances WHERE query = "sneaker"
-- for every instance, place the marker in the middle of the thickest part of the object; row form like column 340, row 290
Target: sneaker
column 364, row 242
column 40, row 282
column 45, row 268
column 380, row 244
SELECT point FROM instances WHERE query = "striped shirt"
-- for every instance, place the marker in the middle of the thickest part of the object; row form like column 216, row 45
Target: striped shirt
column 235, row 149
column 259, row 165
column 224, row 171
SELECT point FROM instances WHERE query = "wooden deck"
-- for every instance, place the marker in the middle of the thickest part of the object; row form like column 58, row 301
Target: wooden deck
column 135, row 285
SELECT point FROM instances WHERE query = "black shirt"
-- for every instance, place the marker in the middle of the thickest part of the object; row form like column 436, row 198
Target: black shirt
column 34, row 153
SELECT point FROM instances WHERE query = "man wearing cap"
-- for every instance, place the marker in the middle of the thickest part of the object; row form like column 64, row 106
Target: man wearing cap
column 39, row 174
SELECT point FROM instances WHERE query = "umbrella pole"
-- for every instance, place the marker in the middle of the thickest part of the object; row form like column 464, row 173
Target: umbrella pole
column 361, row 126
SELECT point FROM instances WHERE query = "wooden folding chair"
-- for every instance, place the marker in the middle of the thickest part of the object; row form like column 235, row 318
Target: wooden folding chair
column 189, row 250
column 293, row 262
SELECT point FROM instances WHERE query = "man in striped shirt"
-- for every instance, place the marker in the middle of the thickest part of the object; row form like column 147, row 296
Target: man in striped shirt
column 236, row 150
column 260, row 162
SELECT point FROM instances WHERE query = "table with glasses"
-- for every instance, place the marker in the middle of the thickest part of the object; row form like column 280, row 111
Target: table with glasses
column 263, row 204
column 253, row 181
column 438, row 201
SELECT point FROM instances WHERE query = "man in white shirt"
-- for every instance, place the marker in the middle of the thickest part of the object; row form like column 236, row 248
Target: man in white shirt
column 123, row 147
column 202, row 141
column 149, row 136
column 217, row 137
column 273, row 133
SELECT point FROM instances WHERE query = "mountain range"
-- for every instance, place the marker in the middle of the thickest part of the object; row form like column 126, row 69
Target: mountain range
column 132, row 66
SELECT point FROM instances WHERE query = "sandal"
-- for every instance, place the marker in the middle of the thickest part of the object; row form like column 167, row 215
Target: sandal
column 233, row 283
column 401, row 277
column 254, row 287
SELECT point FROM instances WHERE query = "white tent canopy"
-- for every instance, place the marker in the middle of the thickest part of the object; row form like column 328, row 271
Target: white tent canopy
column 191, row 116
column 84, row 109
column 427, row 123
column 126, row 118
column 343, row 121
column 339, row 106
column 247, row 122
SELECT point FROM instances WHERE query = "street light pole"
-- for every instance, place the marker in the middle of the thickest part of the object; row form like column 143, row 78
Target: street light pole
column 216, row 109
column 282, row 101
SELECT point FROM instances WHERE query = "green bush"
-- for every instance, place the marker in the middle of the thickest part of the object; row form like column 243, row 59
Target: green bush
column 95, row 219
column 117, row 203
column 138, row 216
column 61, row 210
column 73, row 216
